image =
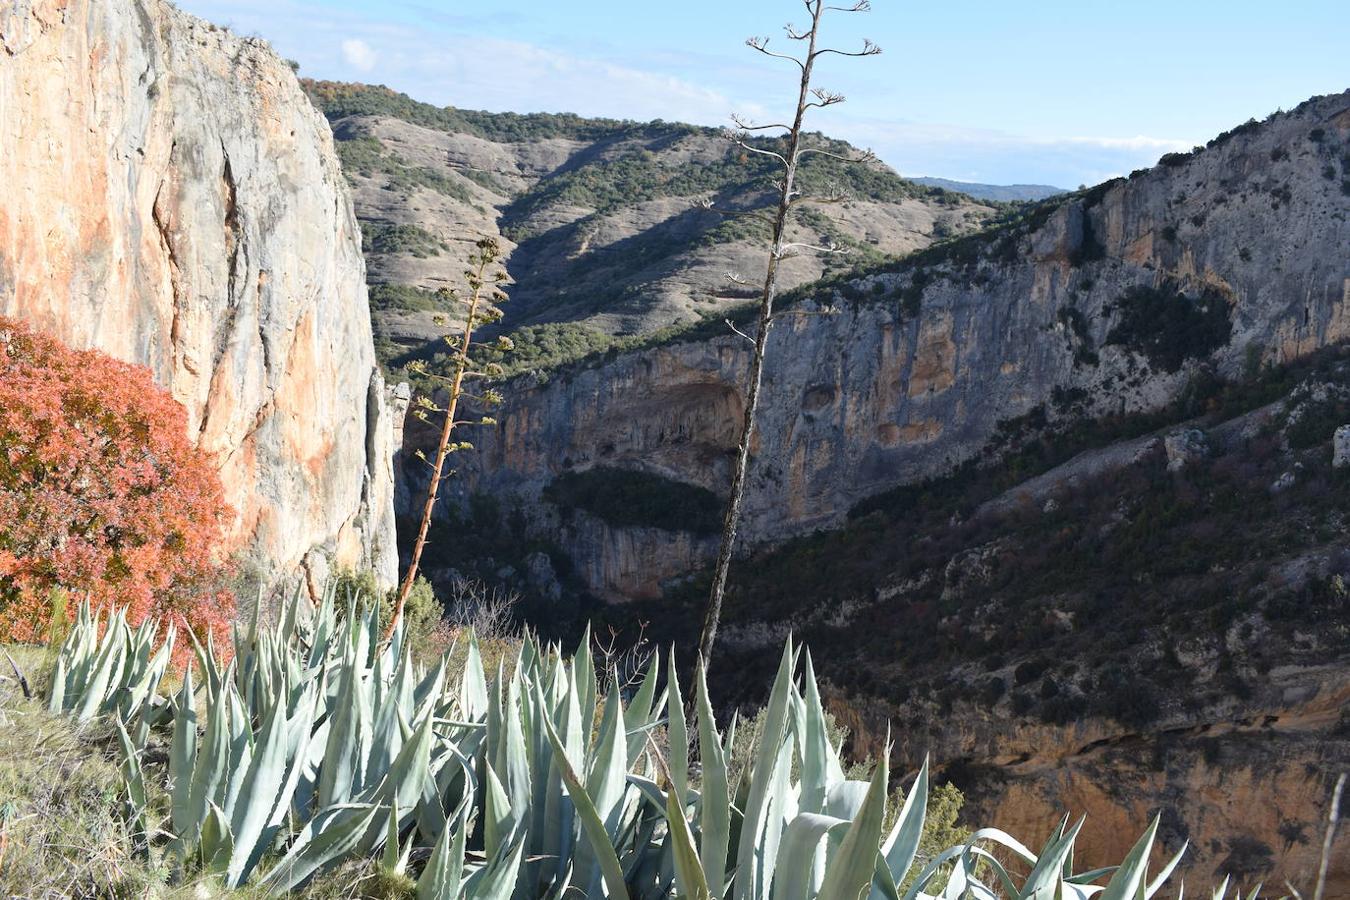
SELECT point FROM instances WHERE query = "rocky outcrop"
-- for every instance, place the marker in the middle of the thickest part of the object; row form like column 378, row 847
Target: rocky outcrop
column 1341, row 447
column 169, row 196
column 1184, row 447
column 1104, row 302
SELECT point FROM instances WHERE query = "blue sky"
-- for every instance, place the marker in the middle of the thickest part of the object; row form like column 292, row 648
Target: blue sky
column 1055, row 92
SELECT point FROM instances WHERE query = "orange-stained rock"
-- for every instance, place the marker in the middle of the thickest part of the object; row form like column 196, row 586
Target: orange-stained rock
column 169, row 196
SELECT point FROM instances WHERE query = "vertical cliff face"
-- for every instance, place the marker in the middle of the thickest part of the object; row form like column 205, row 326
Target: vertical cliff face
column 169, row 196
column 1104, row 303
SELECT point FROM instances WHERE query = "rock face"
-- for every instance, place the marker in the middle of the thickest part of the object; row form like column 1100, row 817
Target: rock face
column 1102, row 303
column 1341, row 447
column 169, row 196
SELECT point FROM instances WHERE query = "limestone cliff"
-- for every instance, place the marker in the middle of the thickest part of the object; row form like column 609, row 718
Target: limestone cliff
column 169, row 196
column 1102, row 302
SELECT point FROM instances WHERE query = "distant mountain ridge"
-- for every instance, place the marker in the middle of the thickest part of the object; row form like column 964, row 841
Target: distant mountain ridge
column 602, row 220
column 1002, row 193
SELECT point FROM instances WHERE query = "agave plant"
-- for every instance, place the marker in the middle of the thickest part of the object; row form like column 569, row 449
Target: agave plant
column 317, row 743
column 106, row 668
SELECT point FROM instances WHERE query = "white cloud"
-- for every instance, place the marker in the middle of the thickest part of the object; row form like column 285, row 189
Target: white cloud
column 358, row 54
column 447, row 63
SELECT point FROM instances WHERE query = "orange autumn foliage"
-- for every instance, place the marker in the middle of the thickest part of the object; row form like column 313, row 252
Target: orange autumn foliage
column 101, row 494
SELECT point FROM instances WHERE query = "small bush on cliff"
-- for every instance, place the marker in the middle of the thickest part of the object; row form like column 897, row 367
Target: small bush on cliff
column 630, row 499
column 1169, row 327
column 100, row 492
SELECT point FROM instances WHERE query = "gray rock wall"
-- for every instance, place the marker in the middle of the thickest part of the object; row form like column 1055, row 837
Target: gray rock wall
column 869, row 397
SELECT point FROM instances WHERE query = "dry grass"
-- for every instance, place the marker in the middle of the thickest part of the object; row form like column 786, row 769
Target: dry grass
column 60, row 801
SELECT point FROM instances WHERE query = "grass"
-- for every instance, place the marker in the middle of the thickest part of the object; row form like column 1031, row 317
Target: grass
column 60, row 801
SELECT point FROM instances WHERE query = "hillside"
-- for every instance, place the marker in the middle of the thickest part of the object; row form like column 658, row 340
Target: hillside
column 601, row 219
column 973, row 444
column 1001, row 193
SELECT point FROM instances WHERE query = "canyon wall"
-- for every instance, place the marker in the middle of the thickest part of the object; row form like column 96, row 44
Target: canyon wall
column 1103, row 302
column 169, row 196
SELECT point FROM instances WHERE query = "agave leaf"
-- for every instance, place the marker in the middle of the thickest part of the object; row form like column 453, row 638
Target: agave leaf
column 606, row 779
column 182, row 757
column 217, row 844
column 845, row 798
column 1086, row 878
column 473, row 686
column 56, row 698
column 340, row 776
column 934, row 866
column 969, row 863
column 103, row 678
column 780, row 810
column 301, row 733
column 325, row 840
column 638, row 714
column 677, row 730
column 902, row 844
column 442, row 877
column 750, row 883
column 409, row 770
column 1044, row 881
column 240, row 751
column 497, row 879
column 1130, row 879
column 793, row 878
column 820, row 763
column 141, row 688
column 689, row 875
column 134, row 778
column 389, row 858
column 515, row 762
column 1166, row 872
column 259, row 795
column 850, row 869
column 592, row 825
column 715, row 808
column 210, row 769
column 583, row 670
column 497, row 824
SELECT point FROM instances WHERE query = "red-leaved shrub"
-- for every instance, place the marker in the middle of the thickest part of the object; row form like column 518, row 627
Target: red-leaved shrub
column 101, row 494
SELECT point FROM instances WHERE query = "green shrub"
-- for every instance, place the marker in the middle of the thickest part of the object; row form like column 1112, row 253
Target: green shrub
column 412, row 239
column 366, row 156
column 423, row 614
column 546, row 346
column 405, row 298
column 338, row 100
column 1169, row 327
